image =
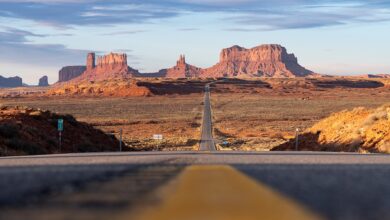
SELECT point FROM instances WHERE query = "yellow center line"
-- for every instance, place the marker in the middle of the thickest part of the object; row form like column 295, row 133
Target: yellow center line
column 222, row 192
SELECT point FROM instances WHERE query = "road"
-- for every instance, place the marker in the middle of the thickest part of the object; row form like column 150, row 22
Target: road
column 203, row 185
column 207, row 141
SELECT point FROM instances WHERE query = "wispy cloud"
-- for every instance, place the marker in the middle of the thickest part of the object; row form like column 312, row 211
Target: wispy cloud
column 124, row 32
column 19, row 48
column 188, row 29
column 277, row 14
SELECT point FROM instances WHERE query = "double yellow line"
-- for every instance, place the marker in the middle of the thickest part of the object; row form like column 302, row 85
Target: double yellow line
column 222, row 193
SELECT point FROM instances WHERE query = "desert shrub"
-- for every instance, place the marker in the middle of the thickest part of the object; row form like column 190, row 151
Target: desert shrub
column 27, row 147
column 9, row 131
column 277, row 135
column 71, row 120
column 376, row 116
column 32, row 130
column 191, row 142
column 194, row 125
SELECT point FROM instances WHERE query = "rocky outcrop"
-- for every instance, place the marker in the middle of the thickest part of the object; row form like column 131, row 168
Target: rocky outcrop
column 109, row 66
column 182, row 70
column 11, row 82
column 112, row 60
column 91, row 61
column 70, row 72
column 262, row 61
column 358, row 130
column 27, row 131
column 375, row 76
column 43, row 81
column 113, row 87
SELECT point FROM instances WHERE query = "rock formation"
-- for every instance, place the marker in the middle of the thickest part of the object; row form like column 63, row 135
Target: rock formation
column 262, row 61
column 182, row 70
column 43, row 81
column 358, row 130
column 11, row 82
column 375, row 76
column 70, row 72
column 91, row 61
column 109, row 66
column 31, row 131
column 113, row 87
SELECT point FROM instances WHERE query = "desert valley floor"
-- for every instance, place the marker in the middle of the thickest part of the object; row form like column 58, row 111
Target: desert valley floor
column 256, row 114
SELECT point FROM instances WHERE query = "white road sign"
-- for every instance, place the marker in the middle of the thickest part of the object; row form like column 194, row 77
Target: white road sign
column 157, row 137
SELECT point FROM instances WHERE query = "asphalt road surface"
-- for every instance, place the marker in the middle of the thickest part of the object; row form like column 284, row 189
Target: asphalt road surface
column 202, row 185
column 207, row 141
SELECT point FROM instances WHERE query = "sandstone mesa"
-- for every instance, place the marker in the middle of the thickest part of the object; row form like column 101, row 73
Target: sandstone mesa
column 263, row 61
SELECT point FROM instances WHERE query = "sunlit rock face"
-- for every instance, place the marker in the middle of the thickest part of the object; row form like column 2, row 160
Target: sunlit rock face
column 182, row 70
column 91, row 61
column 269, row 60
column 112, row 65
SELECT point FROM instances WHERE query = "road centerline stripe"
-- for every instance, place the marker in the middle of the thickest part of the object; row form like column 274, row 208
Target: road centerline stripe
column 222, row 192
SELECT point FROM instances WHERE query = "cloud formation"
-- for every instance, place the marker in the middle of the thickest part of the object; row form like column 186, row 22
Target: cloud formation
column 18, row 48
column 277, row 14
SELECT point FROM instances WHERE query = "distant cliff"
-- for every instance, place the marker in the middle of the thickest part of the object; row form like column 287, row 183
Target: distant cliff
column 110, row 66
column 43, row 81
column 70, row 72
column 268, row 60
column 11, row 82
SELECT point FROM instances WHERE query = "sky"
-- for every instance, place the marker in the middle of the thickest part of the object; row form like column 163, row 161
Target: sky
column 39, row 37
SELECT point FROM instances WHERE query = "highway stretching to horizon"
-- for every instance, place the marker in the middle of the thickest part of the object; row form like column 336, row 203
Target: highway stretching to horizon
column 204, row 184
column 207, row 140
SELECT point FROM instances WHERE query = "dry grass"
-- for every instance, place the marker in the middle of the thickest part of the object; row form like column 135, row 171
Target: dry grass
column 265, row 119
column 177, row 118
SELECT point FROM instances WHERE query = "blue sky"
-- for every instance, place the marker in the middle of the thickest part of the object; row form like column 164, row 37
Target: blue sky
column 38, row 37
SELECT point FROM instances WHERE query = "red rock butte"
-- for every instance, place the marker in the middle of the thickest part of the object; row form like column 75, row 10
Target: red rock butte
column 269, row 60
column 262, row 61
column 110, row 66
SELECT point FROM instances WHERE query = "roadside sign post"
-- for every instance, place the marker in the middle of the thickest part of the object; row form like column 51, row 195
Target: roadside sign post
column 60, row 128
column 120, row 140
column 159, row 138
column 296, row 139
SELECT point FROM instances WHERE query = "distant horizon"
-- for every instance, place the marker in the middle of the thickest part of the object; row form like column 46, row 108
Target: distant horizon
column 39, row 37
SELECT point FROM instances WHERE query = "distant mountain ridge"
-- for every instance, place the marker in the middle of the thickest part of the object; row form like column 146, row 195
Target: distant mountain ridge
column 11, row 82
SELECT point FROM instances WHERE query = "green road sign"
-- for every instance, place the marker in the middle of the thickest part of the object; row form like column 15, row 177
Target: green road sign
column 60, row 124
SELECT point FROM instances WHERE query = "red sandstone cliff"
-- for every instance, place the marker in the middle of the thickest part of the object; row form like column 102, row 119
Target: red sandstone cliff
column 182, row 70
column 263, row 61
column 109, row 66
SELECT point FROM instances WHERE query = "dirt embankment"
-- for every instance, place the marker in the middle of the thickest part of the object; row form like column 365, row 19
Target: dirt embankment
column 117, row 88
column 359, row 130
column 27, row 131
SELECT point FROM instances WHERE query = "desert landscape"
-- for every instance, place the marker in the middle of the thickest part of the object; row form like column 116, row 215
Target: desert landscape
column 263, row 114
column 260, row 98
column 194, row 109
